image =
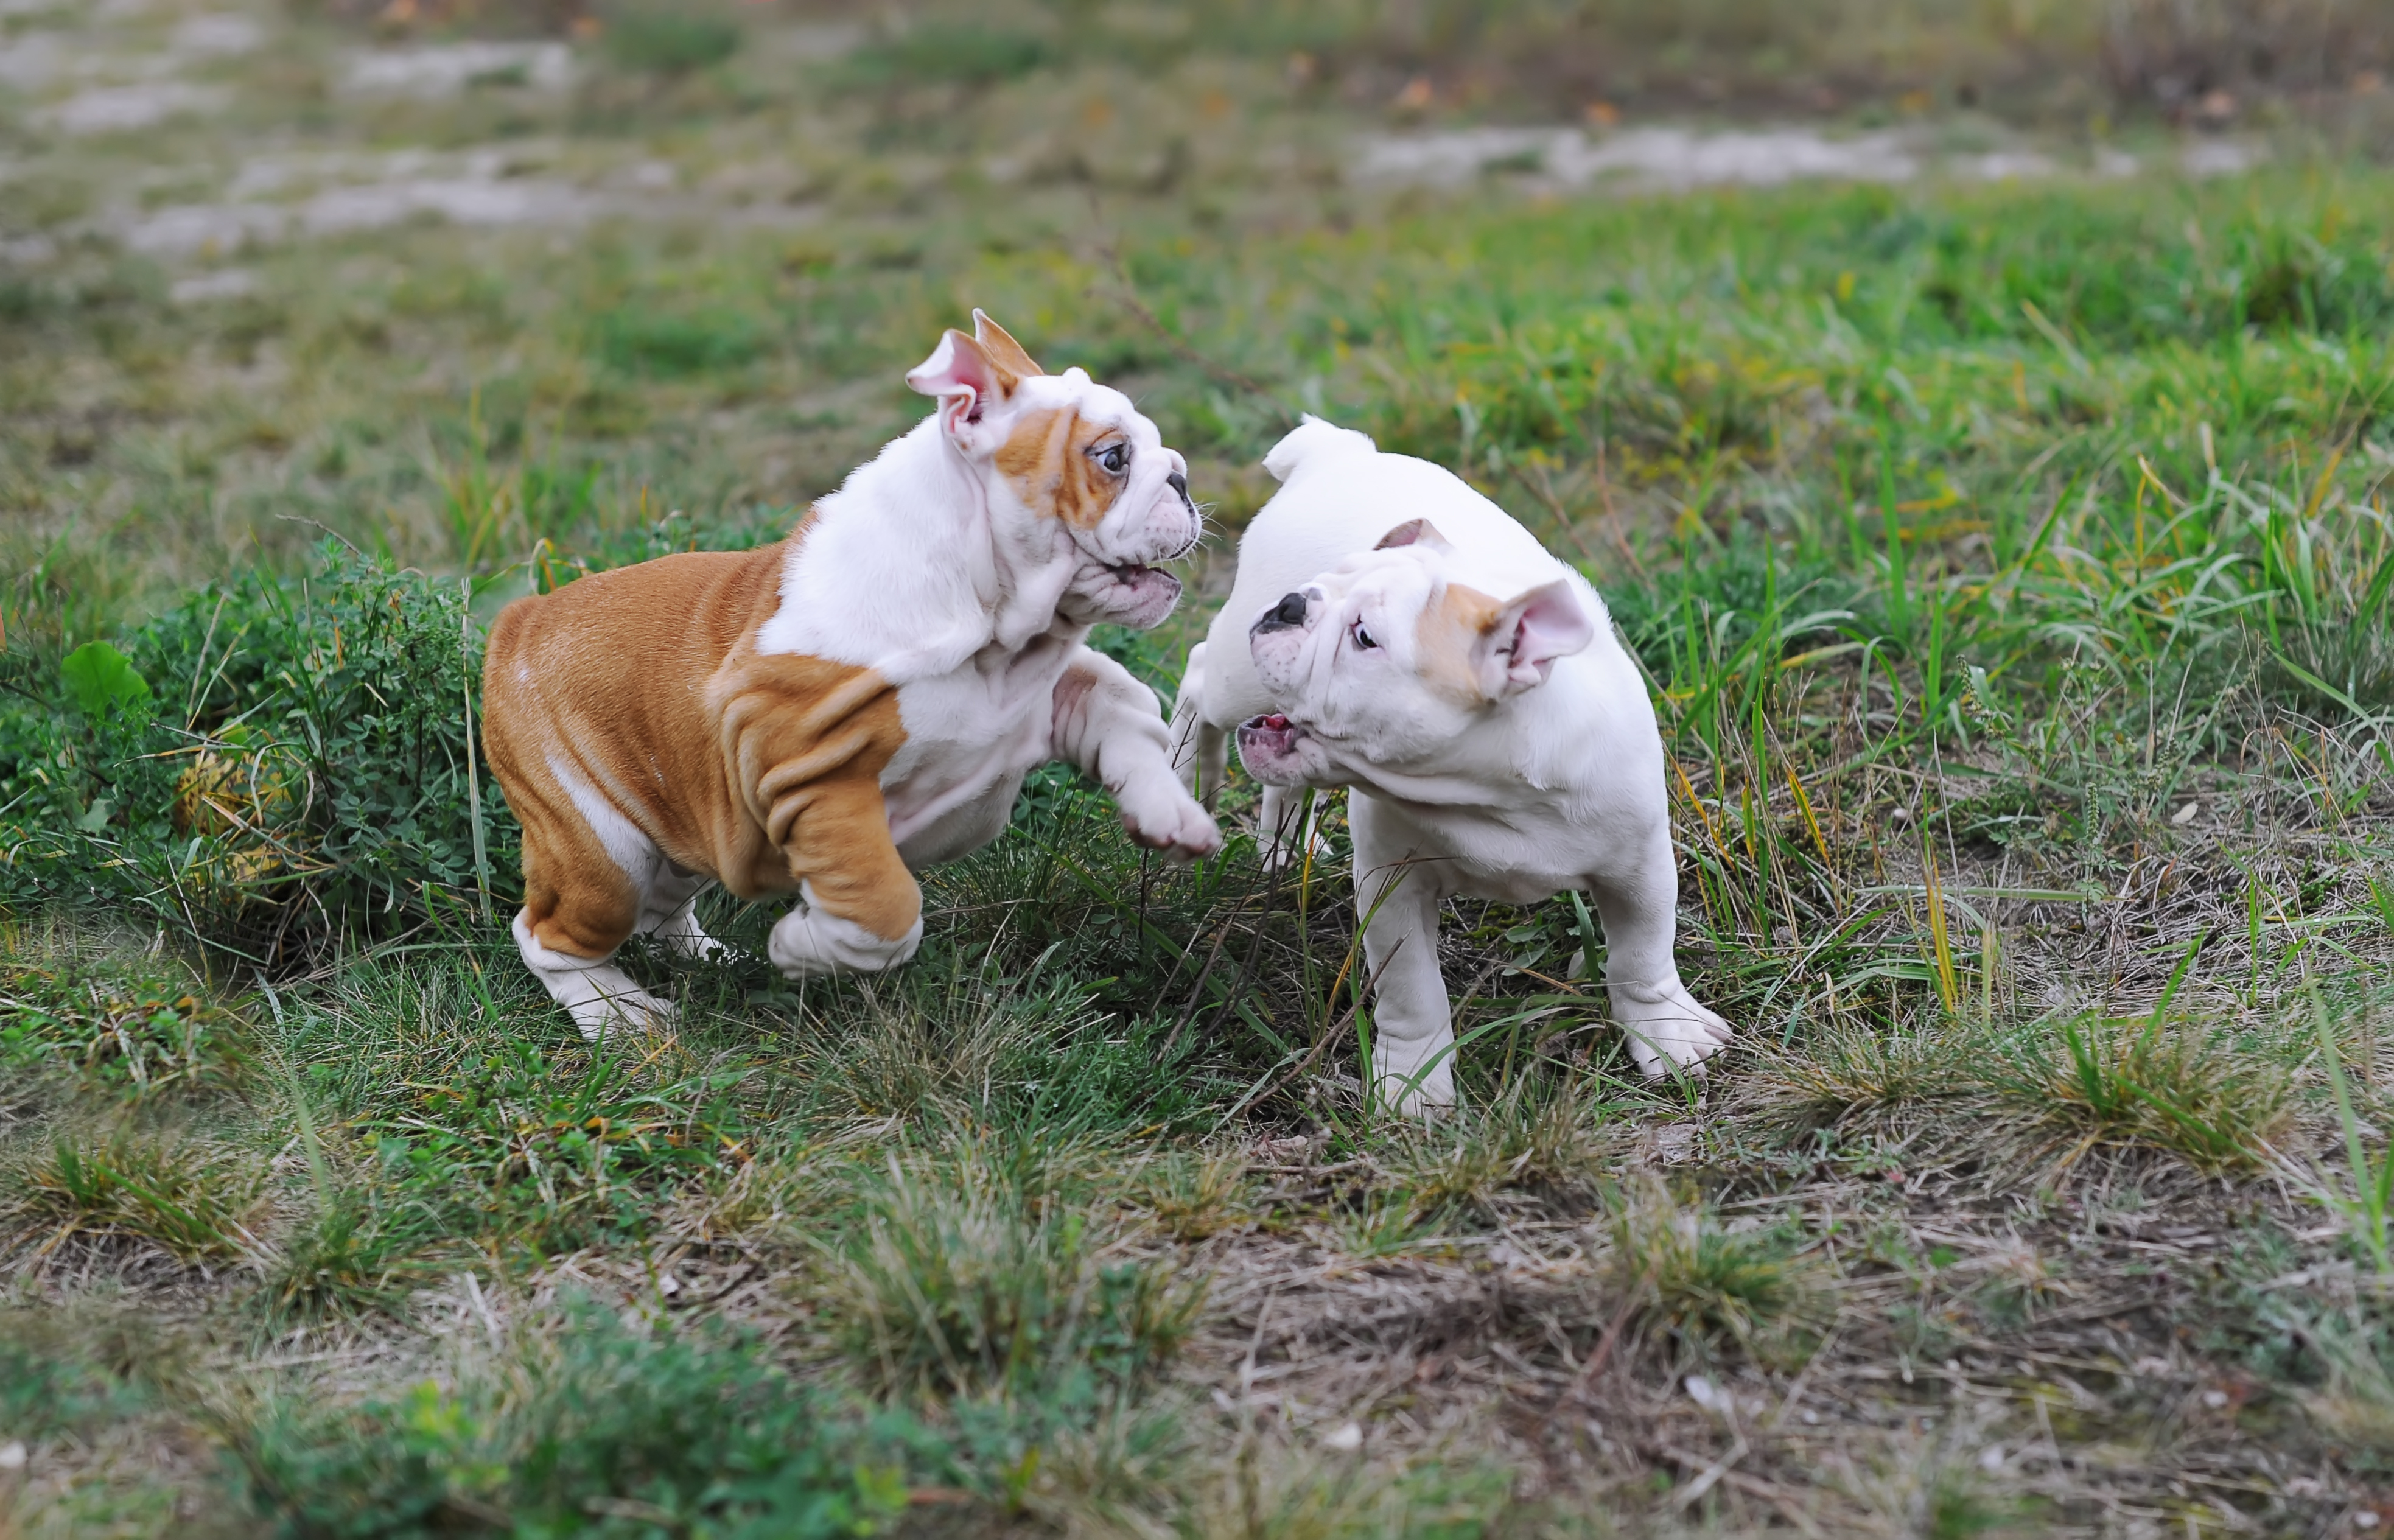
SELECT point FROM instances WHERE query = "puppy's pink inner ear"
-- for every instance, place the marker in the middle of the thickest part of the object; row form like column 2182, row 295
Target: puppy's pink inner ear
column 963, row 377
column 1413, row 532
column 1543, row 624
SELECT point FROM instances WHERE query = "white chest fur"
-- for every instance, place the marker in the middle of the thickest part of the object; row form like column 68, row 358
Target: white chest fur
column 972, row 734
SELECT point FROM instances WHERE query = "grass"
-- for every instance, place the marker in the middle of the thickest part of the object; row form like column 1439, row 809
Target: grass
column 189, row 1200
column 349, row 1257
column 2139, row 1083
column 1702, row 1285
column 967, row 1279
column 605, row 1422
column 2010, row 563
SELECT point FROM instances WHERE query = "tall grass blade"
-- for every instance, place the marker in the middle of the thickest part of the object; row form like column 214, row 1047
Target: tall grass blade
column 2367, row 1213
column 1947, row 988
column 473, row 751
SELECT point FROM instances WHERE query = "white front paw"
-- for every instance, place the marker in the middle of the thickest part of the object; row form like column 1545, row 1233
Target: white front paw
column 806, row 942
column 608, row 999
column 1667, row 1030
column 1405, row 1088
column 1162, row 816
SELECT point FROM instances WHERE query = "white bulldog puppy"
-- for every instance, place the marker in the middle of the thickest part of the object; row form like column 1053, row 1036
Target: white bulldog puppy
column 1393, row 631
column 826, row 715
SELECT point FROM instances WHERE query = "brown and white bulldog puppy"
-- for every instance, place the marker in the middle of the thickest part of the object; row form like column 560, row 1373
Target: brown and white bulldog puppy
column 828, row 713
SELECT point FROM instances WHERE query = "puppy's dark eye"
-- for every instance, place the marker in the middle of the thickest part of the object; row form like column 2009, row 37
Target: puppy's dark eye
column 1115, row 458
column 1363, row 640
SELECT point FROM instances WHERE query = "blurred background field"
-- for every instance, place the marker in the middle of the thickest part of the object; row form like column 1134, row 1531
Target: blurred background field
column 1973, row 412
column 265, row 267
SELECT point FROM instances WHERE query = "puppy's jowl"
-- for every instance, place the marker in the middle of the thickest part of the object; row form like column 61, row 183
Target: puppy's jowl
column 1393, row 631
column 829, row 713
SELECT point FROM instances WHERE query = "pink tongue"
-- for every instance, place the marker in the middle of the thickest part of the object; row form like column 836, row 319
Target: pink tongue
column 1275, row 722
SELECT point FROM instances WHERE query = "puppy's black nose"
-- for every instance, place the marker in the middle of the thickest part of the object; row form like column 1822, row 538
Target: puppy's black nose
column 1289, row 612
column 1179, row 484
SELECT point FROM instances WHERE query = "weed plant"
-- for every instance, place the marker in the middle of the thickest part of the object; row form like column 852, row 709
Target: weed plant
column 299, row 770
column 599, row 1427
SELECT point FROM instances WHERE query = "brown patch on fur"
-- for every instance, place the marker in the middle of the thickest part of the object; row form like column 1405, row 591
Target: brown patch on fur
column 762, row 771
column 1072, row 693
column 1447, row 636
column 1048, row 459
column 1413, row 532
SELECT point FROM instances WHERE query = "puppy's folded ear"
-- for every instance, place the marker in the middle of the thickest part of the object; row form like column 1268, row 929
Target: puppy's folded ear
column 1518, row 649
column 1002, row 348
column 1413, row 532
column 965, row 378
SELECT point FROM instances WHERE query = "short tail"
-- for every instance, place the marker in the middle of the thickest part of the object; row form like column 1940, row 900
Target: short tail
column 1314, row 440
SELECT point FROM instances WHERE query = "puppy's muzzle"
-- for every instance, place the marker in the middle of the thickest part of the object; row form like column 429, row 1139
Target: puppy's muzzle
column 1288, row 614
column 1263, row 739
column 1178, row 483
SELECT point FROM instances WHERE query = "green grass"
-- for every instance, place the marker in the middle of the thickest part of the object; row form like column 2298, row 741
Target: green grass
column 668, row 41
column 1970, row 535
column 973, row 1277
column 602, row 1427
column 194, row 1202
column 1700, row 1286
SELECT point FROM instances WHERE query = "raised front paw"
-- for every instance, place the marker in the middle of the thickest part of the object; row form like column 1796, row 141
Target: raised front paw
column 1163, row 817
column 1668, row 1032
column 807, row 942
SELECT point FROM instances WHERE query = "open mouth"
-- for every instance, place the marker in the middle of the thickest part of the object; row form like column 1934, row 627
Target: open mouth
column 1140, row 578
column 1143, row 584
column 1270, row 737
column 1127, row 593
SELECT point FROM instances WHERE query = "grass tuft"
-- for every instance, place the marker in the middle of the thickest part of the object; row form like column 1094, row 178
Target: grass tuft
column 122, row 1027
column 588, row 1419
column 48, row 1388
column 193, row 1199
column 351, row 1258
column 1847, row 1069
column 641, row 340
column 1539, row 1137
column 1195, row 1196
column 968, row 1280
column 2161, row 1086
column 2357, row 1403
column 964, row 54
column 1704, row 1284
column 669, row 40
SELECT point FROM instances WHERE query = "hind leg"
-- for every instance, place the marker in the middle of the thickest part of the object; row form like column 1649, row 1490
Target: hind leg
column 1279, row 841
column 671, row 915
column 589, row 877
column 1201, row 753
column 598, row 995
